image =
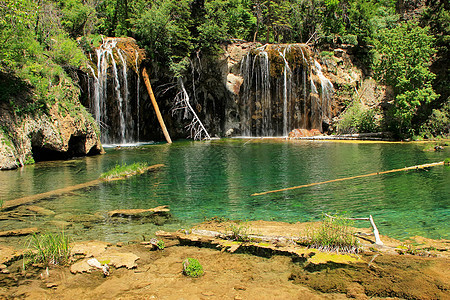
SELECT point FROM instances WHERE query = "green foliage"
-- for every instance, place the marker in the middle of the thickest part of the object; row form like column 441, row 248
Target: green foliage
column 29, row 161
column 447, row 161
column 192, row 268
column 357, row 119
column 334, row 234
column 326, row 54
column 405, row 53
column 122, row 171
column 33, row 51
column 161, row 245
column 48, row 249
column 438, row 123
column 78, row 18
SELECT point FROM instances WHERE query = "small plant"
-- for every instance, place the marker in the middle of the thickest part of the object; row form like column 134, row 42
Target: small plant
column 192, row 268
column 334, row 234
column 48, row 249
column 122, row 171
column 239, row 232
column 447, row 162
column 160, row 245
column 29, row 161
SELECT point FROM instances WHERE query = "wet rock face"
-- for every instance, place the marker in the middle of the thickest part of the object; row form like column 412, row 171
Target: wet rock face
column 249, row 89
column 46, row 137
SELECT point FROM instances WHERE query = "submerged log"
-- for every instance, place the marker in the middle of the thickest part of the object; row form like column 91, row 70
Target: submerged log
column 140, row 213
column 11, row 204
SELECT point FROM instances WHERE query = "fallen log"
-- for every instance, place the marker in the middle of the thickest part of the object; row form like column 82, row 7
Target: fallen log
column 155, row 105
column 11, row 204
column 353, row 177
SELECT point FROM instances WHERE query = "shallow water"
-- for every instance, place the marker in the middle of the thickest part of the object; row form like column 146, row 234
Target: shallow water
column 206, row 179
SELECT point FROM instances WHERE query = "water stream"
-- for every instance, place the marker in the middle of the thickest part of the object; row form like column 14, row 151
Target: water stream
column 216, row 178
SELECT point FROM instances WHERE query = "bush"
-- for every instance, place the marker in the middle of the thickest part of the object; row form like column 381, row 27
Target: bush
column 334, row 234
column 357, row 119
column 192, row 268
column 438, row 124
column 48, row 248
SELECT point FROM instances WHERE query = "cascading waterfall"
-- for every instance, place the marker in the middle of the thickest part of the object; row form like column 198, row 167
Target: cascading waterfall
column 111, row 103
column 275, row 96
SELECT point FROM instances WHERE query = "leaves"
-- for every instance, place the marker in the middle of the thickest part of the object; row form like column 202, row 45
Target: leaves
column 405, row 54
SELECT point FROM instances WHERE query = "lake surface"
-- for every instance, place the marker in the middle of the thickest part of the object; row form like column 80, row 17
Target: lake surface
column 208, row 179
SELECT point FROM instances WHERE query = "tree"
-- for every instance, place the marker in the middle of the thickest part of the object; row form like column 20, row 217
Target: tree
column 405, row 54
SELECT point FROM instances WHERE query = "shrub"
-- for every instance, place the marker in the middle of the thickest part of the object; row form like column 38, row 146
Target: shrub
column 438, row 123
column 192, row 268
column 48, row 248
column 357, row 119
column 334, row 234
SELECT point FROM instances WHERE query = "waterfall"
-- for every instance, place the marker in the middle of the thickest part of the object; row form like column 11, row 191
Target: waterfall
column 112, row 105
column 276, row 97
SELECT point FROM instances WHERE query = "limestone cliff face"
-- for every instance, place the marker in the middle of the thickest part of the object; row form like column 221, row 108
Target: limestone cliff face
column 59, row 134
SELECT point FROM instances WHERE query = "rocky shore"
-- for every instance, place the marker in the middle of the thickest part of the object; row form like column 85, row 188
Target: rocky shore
column 273, row 266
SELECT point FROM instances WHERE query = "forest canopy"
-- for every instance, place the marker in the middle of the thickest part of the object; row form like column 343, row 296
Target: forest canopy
column 41, row 41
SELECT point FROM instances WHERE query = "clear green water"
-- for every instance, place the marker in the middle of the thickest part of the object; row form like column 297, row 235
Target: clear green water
column 206, row 179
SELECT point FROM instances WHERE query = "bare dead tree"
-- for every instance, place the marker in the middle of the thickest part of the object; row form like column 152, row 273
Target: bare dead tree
column 181, row 102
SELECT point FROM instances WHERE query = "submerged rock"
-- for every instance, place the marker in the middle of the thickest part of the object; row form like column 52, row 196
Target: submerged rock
column 9, row 254
column 19, row 232
column 140, row 213
column 40, row 210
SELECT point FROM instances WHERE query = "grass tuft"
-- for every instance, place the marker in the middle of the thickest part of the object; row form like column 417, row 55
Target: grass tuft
column 334, row 235
column 123, row 171
column 239, row 232
column 48, row 249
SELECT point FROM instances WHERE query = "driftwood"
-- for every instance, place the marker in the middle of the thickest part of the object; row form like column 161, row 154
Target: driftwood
column 196, row 129
column 155, row 105
column 353, row 177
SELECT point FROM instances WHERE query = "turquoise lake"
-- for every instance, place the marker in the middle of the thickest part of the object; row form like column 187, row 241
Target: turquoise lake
column 216, row 179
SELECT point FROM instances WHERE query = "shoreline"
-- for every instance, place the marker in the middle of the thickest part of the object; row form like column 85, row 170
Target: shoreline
column 237, row 270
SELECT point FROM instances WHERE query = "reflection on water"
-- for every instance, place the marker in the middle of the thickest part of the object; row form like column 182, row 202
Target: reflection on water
column 207, row 179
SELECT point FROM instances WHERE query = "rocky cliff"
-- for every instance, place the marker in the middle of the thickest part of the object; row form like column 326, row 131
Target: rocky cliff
column 64, row 131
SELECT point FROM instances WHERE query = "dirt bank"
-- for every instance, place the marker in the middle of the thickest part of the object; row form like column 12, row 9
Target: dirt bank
column 388, row 271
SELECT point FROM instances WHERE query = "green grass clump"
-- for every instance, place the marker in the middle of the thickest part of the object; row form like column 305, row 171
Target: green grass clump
column 239, row 232
column 122, row 171
column 447, row 162
column 192, row 268
column 48, row 249
column 160, row 245
column 334, row 234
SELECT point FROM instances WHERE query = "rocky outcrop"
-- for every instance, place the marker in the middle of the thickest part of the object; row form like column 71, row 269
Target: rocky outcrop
column 61, row 133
